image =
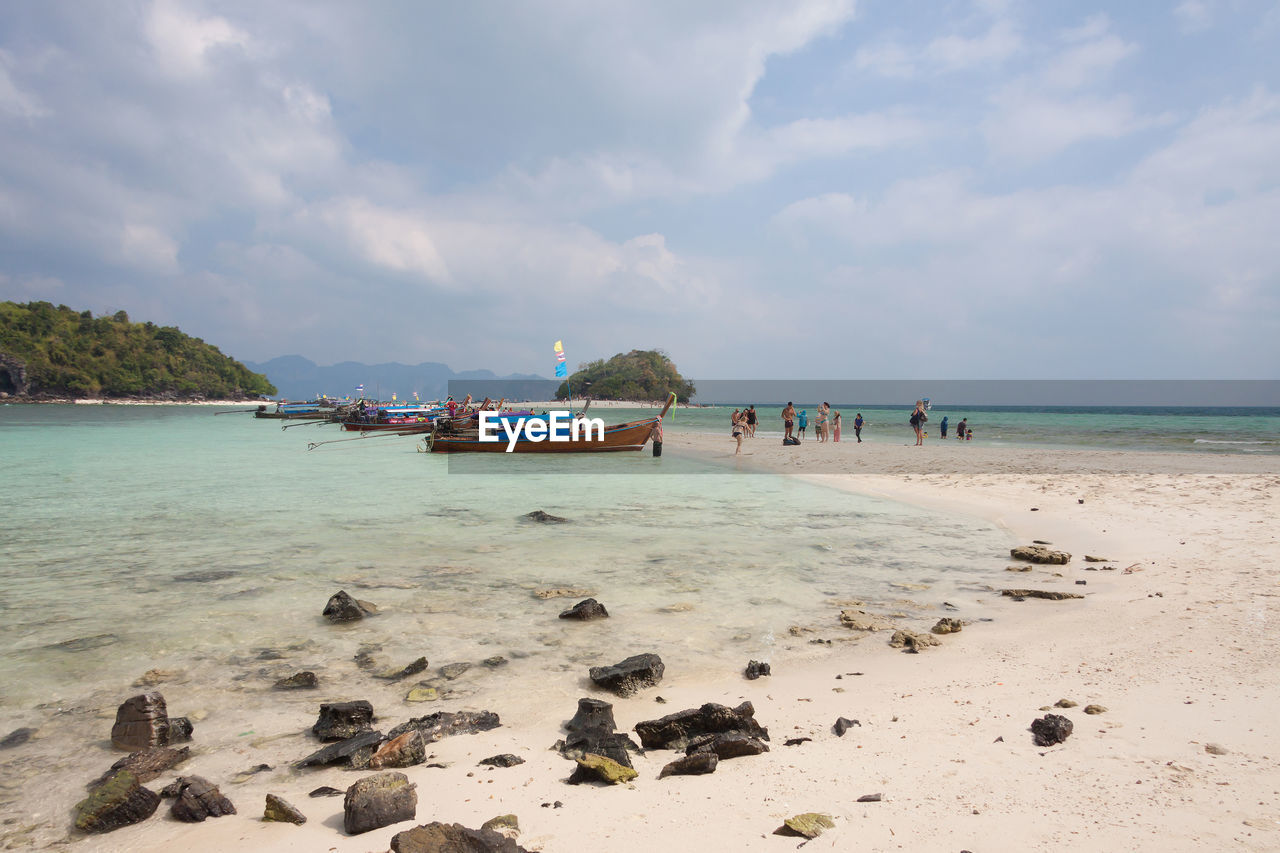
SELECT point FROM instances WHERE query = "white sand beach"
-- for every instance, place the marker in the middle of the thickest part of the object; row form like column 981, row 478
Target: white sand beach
column 1175, row 636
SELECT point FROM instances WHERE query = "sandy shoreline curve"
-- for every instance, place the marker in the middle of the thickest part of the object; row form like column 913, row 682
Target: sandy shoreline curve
column 1180, row 649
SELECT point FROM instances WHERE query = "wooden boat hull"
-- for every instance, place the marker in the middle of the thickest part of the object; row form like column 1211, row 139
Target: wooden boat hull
column 628, row 436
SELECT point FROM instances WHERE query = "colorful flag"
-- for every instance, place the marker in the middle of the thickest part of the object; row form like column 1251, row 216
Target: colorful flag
column 561, row 369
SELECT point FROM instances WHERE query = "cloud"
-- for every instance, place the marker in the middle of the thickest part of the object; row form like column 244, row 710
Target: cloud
column 1193, row 15
column 13, row 99
column 183, row 41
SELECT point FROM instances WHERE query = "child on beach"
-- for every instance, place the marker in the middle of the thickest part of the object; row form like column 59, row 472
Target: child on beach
column 857, row 427
column 802, row 421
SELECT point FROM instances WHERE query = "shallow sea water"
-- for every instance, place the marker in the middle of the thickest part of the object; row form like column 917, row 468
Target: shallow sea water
column 135, row 538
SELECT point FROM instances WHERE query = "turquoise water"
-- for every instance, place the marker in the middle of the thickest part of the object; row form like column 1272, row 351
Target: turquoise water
column 1189, row 430
column 136, row 537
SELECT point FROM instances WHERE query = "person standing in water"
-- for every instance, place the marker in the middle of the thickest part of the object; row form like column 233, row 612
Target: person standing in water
column 943, row 426
column 857, row 427
column 820, row 423
column 788, row 419
column 918, row 417
column 751, row 420
column 835, row 426
column 739, row 422
column 962, row 428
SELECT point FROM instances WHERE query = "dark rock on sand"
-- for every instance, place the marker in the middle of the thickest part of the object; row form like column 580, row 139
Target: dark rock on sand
column 141, row 722
column 592, row 731
column 119, row 801
column 281, row 810
column 947, row 625
column 17, row 737
column 871, row 798
column 843, row 724
column 342, row 720
column 403, row 750
column 727, row 745
column 198, row 799
column 599, row 768
column 146, row 764
column 544, row 517
column 675, row 731
column 1051, row 729
column 1048, row 594
column 343, row 752
column 627, row 677
column 343, row 608
column 377, row 801
column 439, row 837
column 585, row 611
column 445, row 723
column 796, row 741
column 693, row 764
column 325, row 791
column 305, row 680
column 756, row 668
column 506, row 759
column 1040, row 554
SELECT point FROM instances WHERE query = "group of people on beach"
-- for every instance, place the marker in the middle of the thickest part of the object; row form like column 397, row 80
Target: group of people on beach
column 826, row 424
column 920, row 416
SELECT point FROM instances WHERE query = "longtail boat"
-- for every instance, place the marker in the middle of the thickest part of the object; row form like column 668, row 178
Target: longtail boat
column 448, row 437
column 311, row 409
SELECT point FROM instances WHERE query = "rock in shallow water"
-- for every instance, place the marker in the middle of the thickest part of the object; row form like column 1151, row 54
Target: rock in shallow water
column 147, row 764
column 544, row 517
column 119, row 801
column 17, row 737
column 627, row 677
column 585, row 611
column 445, row 723
column 342, row 720
column 344, row 752
column 141, row 722
column 341, row 607
column 305, row 680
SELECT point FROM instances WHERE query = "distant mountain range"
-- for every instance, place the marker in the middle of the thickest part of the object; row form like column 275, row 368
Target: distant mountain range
column 299, row 378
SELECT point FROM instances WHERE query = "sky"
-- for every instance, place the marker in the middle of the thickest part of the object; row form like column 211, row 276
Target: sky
column 995, row 189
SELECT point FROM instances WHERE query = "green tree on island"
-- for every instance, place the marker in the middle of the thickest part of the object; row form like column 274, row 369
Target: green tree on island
column 65, row 353
column 636, row 375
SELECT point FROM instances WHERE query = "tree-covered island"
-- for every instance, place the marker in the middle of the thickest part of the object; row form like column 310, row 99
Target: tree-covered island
column 52, row 352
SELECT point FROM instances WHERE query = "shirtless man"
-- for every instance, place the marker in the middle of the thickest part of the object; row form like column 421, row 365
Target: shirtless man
column 789, row 418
